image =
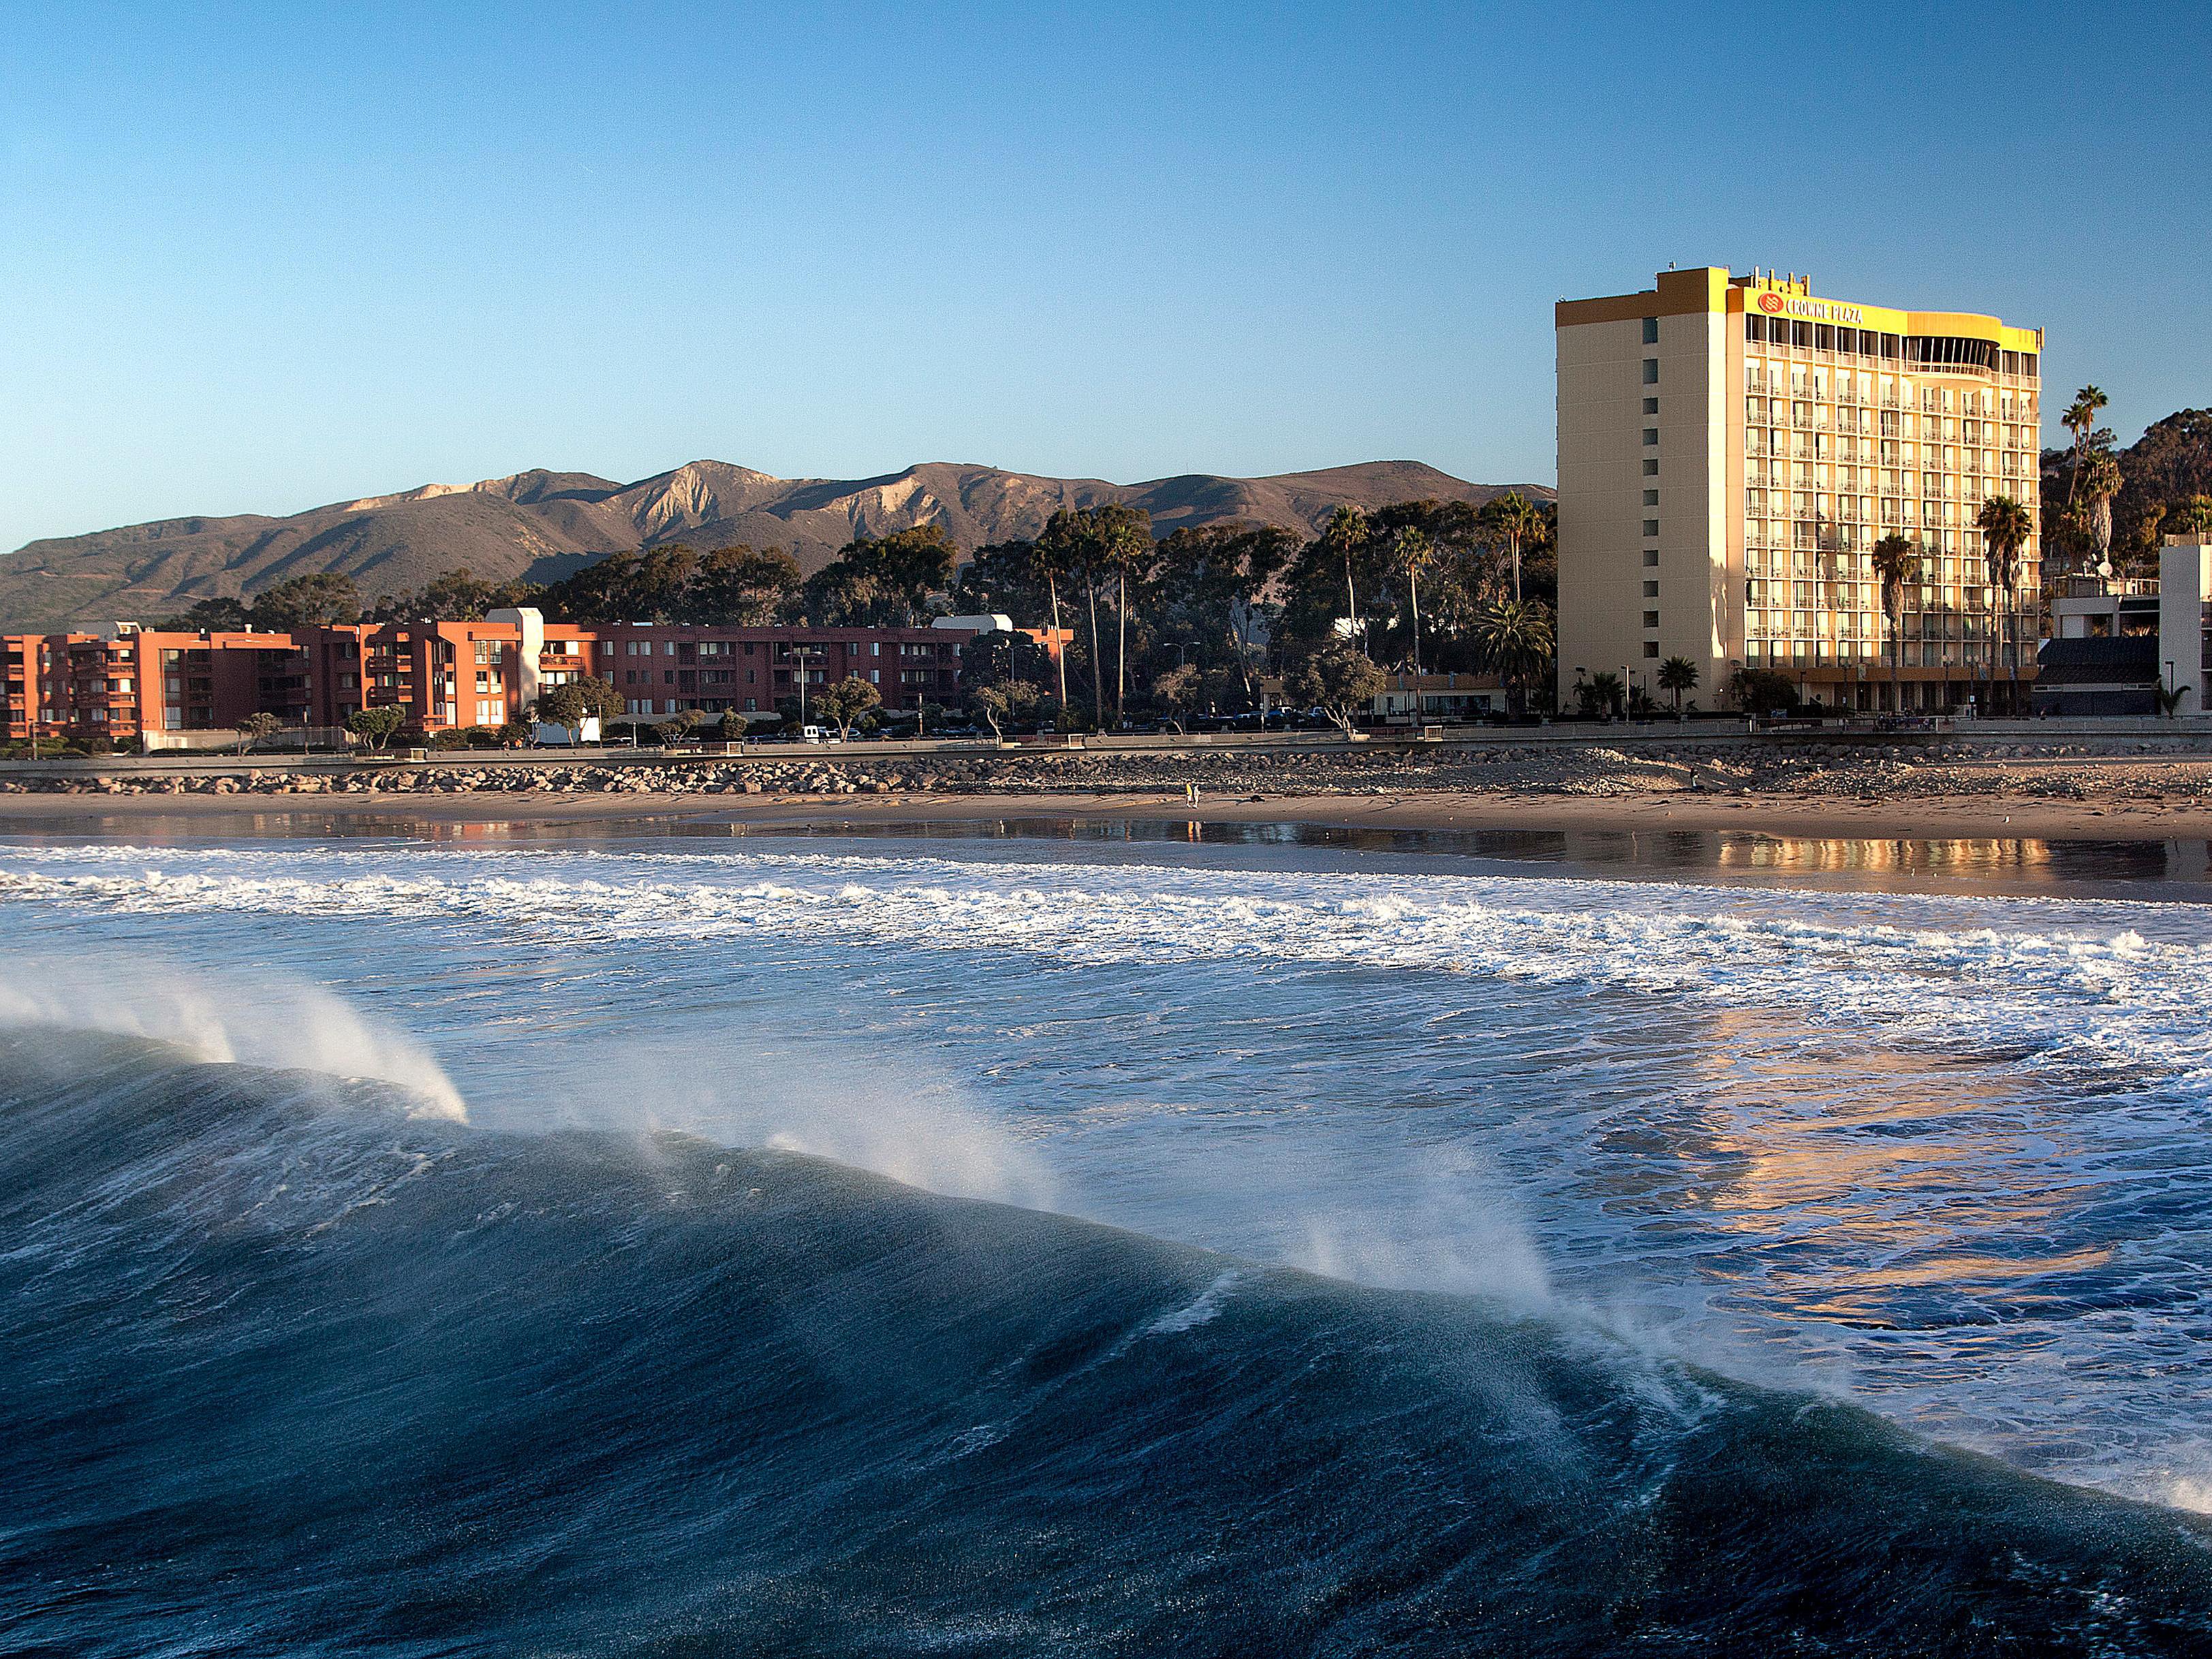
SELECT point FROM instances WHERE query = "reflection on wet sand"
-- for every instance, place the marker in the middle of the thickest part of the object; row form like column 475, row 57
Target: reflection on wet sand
column 2085, row 868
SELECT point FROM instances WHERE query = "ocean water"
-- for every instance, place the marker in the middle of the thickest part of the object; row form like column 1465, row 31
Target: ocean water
column 678, row 1245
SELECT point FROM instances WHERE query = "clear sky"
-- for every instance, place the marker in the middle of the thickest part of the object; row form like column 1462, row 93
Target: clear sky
column 255, row 259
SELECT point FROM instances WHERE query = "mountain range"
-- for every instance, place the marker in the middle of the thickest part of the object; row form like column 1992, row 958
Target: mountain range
column 543, row 526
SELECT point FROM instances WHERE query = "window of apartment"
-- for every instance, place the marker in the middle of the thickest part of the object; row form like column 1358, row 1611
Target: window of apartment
column 1650, row 558
column 1651, row 331
column 1651, row 647
column 1651, row 590
column 1650, row 469
column 1651, row 619
column 1650, row 406
column 1651, row 436
column 1650, row 498
column 1651, row 371
column 1651, row 527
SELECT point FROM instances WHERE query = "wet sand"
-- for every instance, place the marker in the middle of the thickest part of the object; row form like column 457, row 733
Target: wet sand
column 1752, row 813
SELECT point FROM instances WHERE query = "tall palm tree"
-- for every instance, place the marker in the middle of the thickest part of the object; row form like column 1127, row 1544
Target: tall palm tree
column 2081, row 420
column 1414, row 552
column 1678, row 675
column 1048, row 558
column 1514, row 520
column 2006, row 525
column 1345, row 530
column 1126, row 550
column 2100, row 476
column 1897, row 563
column 1514, row 639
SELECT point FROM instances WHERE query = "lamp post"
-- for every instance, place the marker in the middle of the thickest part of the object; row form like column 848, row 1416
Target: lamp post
column 802, row 654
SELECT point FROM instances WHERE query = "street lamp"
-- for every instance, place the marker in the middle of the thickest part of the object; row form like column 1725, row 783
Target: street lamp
column 803, row 654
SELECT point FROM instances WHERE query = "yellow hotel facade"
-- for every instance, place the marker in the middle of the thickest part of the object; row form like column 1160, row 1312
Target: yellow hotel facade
column 1730, row 450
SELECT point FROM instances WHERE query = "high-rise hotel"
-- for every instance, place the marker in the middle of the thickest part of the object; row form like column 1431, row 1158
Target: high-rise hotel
column 1730, row 450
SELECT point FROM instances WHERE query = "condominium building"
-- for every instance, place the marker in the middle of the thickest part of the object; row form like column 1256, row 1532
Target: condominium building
column 1731, row 448
column 663, row 669
column 147, row 684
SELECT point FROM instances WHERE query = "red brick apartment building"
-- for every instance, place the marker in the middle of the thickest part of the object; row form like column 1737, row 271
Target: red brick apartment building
column 144, row 683
column 666, row 670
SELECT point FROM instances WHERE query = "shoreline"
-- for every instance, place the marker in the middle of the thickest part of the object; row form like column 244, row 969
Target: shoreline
column 1773, row 816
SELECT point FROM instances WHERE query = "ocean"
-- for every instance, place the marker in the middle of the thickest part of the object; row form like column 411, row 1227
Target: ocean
column 732, row 1243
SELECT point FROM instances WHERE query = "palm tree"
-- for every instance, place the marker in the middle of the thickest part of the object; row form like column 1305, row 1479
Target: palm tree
column 1047, row 558
column 2080, row 419
column 1514, row 639
column 1514, row 520
column 2006, row 525
column 1414, row 552
column 2099, row 475
column 1347, row 530
column 1603, row 693
column 1126, row 549
column 1897, row 562
column 1678, row 675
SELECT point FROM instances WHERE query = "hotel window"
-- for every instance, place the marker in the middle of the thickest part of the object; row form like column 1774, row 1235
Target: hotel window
column 1651, row 647
column 1650, row 558
column 1650, row 498
column 1651, row 331
column 1651, row 590
column 1651, row 436
column 1650, row 469
column 1650, row 406
column 1651, row 371
column 1651, row 527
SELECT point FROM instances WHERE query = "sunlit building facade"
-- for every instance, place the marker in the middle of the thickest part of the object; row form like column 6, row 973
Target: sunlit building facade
column 1730, row 449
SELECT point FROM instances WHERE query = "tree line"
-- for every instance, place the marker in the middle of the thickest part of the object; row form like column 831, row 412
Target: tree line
column 1196, row 621
column 2105, row 504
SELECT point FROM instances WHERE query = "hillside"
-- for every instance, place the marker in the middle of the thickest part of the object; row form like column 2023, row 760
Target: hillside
column 545, row 524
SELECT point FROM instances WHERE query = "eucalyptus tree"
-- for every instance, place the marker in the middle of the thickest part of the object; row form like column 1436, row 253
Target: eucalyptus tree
column 1212, row 584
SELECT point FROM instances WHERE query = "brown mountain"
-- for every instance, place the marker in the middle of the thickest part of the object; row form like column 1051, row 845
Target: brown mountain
column 545, row 524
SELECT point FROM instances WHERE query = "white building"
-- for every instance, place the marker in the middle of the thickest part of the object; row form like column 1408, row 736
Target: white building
column 2120, row 640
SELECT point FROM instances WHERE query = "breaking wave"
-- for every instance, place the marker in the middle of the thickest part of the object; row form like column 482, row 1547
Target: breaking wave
column 286, row 1368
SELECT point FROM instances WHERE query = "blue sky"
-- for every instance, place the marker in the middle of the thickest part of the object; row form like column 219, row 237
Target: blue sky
column 258, row 258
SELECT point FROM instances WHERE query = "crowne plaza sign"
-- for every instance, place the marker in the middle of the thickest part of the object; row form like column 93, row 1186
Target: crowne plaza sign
column 1816, row 311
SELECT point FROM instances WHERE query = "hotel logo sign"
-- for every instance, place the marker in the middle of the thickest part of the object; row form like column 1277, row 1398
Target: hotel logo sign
column 1820, row 311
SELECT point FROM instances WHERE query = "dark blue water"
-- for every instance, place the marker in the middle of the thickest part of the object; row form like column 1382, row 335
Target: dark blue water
column 497, row 1249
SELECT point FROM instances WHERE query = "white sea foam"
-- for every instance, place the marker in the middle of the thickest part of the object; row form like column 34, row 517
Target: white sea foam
column 2079, row 981
column 221, row 1018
